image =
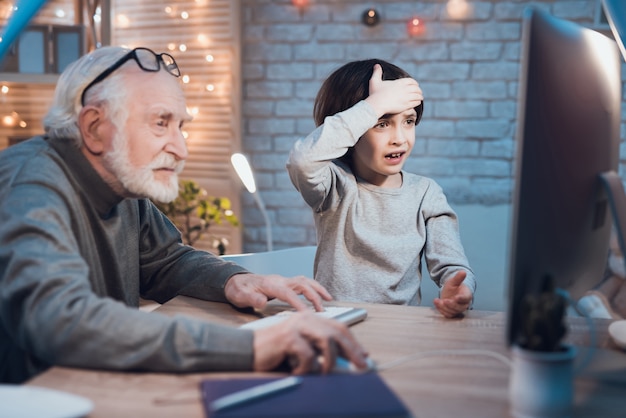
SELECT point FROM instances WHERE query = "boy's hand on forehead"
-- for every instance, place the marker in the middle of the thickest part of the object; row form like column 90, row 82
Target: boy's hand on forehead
column 389, row 97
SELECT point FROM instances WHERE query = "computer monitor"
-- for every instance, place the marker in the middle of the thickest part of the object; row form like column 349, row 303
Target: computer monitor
column 568, row 134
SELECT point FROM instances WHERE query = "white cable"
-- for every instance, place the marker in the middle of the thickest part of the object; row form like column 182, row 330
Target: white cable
column 592, row 332
column 445, row 353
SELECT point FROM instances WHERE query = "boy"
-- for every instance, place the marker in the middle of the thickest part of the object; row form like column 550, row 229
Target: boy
column 375, row 221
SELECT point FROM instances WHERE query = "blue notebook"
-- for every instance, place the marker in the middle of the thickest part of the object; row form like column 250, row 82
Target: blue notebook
column 363, row 395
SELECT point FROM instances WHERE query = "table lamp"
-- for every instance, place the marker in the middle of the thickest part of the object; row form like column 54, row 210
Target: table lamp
column 615, row 11
column 23, row 12
column 243, row 170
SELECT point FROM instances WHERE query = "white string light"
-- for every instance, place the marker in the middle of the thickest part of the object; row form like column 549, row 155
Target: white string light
column 458, row 9
column 123, row 21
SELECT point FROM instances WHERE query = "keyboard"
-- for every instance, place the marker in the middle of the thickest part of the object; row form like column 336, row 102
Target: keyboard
column 344, row 314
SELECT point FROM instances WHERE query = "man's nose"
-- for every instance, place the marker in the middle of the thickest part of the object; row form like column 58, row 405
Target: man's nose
column 177, row 146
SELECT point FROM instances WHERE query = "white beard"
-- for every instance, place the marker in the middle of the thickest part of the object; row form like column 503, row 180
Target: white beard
column 140, row 181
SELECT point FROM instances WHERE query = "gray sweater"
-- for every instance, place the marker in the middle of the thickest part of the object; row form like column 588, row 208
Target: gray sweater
column 74, row 260
column 371, row 240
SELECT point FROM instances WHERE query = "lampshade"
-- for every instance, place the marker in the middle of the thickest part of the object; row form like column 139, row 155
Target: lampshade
column 23, row 12
column 242, row 167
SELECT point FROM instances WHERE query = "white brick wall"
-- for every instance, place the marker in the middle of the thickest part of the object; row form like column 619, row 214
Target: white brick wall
column 468, row 69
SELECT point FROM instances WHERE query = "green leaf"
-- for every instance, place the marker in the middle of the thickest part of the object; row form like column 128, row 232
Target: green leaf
column 193, row 199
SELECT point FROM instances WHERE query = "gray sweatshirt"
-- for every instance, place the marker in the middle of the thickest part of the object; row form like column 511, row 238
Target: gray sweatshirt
column 74, row 260
column 371, row 240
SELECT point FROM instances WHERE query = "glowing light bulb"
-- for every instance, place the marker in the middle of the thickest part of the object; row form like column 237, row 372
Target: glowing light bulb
column 415, row 26
column 6, row 10
column 184, row 15
column 185, row 79
column 4, row 89
column 210, row 87
column 182, row 47
column 209, row 58
column 11, row 120
column 122, row 21
column 370, row 17
column 458, row 9
column 203, row 39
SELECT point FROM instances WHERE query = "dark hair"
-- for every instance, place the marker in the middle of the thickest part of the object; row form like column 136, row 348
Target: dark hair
column 349, row 84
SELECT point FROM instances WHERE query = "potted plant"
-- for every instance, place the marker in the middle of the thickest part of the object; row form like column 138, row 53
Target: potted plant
column 543, row 320
column 541, row 382
column 194, row 211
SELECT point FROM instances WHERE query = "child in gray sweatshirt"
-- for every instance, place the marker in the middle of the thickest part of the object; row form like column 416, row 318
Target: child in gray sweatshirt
column 375, row 221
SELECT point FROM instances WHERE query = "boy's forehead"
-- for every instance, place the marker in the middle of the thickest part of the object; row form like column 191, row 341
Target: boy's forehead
column 406, row 113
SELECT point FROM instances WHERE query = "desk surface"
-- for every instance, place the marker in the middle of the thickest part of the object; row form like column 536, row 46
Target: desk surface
column 433, row 383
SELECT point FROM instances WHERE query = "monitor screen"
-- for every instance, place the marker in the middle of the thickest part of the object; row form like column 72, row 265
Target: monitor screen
column 567, row 135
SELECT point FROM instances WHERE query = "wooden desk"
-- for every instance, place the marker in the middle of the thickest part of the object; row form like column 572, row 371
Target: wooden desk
column 433, row 385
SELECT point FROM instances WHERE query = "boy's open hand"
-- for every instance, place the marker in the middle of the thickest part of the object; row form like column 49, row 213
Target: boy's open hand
column 455, row 296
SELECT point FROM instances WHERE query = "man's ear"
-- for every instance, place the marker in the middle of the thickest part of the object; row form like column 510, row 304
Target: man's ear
column 90, row 123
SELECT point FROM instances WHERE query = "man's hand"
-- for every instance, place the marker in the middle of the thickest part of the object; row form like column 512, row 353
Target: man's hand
column 255, row 290
column 309, row 342
column 392, row 96
column 455, row 296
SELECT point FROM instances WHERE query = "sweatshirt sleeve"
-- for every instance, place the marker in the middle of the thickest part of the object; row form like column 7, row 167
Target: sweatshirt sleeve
column 170, row 268
column 443, row 251
column 311, row 158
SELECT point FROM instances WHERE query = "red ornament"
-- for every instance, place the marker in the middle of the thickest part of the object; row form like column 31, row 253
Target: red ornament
column 415, row 26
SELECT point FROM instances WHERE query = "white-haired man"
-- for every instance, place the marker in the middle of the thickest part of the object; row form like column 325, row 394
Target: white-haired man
column 80, row 241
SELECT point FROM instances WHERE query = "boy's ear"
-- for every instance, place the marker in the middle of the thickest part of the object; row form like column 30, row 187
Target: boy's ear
column 90, row 122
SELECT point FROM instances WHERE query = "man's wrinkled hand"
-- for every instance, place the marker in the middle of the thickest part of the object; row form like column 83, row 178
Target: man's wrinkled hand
column 255, row 290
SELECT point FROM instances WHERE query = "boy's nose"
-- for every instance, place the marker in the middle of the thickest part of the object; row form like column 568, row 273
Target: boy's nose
column 398, row 138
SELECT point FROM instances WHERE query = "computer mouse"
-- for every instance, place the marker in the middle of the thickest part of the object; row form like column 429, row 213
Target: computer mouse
column 617, row 331
column 342, row 365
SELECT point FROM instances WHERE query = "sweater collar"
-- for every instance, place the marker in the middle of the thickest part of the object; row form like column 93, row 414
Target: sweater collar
column 97, row 191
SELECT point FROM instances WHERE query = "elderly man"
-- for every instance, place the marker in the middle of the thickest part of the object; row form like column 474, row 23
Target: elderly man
column 80, row 243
